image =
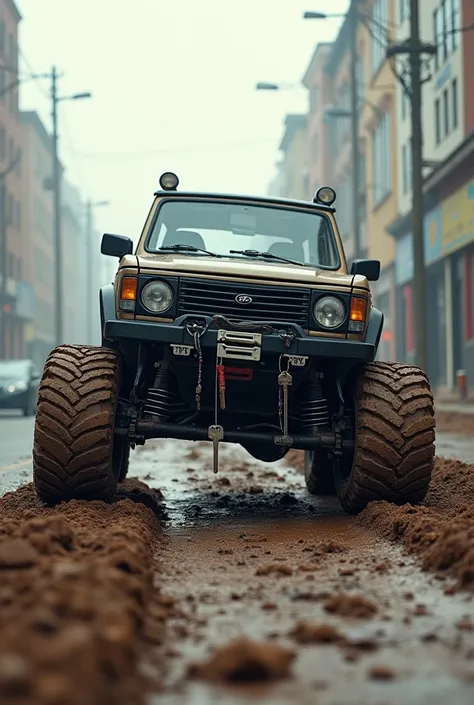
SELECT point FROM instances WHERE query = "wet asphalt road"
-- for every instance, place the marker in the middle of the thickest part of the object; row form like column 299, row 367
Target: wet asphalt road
column 16, row 439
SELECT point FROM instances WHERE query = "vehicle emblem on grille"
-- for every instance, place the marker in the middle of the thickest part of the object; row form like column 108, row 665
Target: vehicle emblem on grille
column 243, row 299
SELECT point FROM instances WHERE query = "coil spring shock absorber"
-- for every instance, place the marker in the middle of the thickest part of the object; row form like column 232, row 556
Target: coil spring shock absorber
column 161, row 394
column 314, row 409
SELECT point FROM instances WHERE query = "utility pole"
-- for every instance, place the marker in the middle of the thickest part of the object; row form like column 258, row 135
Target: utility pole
column 58, row 288
column 353, row 19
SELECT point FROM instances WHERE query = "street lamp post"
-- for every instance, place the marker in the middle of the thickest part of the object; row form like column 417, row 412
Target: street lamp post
column 353, row 18
column 55, row 99
column 90, row 205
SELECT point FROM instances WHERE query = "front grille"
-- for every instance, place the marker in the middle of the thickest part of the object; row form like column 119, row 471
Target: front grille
column 271, row 303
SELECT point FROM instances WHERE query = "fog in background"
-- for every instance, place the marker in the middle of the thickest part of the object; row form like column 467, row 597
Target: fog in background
column 173, row 88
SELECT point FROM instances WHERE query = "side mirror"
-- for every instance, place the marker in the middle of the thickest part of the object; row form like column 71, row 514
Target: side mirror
column 116, row 245
column 368, row 268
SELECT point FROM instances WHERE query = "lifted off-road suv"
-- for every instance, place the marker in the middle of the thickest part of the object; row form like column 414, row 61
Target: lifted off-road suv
column 237, row 320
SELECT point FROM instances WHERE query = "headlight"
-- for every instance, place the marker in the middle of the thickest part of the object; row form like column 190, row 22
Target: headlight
column 18, row 387
column 329, row 312
column 157, row 296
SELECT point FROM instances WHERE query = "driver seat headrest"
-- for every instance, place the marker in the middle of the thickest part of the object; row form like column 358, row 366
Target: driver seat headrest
column 183, row 237
column 287, row 249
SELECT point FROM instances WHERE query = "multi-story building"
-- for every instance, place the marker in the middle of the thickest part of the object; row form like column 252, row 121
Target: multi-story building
column 448, row 152
column 15, row 290
column 294, row 163
column 37, row 209
column 378, row 129
column 315, row 80
column 275, row 187
column 336, row 114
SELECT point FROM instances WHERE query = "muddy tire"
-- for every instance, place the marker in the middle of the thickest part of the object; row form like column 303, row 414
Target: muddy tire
column 319, row 474
column 73, row 450
column 394, row 438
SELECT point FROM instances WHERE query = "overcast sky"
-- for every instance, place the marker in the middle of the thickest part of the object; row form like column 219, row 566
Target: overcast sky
column 173, row 89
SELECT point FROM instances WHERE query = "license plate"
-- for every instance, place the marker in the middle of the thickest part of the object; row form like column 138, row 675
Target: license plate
column 182, row 350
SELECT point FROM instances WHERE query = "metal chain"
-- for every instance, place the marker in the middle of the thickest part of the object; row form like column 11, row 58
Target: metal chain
column 197, row 344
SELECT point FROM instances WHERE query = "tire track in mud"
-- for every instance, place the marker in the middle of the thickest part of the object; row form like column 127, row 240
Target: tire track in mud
column 78, row 606
column 104, row 603
column 283, row 588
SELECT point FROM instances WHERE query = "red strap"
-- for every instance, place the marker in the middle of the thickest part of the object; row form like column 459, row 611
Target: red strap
column 221, row 377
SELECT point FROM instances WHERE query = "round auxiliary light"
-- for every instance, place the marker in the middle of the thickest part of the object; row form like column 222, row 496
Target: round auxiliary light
column 325, row 195
column 169, row 181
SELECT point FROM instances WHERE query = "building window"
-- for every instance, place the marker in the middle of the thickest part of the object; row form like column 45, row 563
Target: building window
column 469, row 296
column 381, row 153
column 446, row 29
column 446, row 112
column 406, row 103
column 409, row 328
column 378, row 22
column 406, row 167
column 3, row 143
column 437, row 121
column 360, row 77
column 404, row 10
column 454, row 102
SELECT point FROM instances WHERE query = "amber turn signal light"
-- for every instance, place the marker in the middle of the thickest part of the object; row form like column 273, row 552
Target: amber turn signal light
column 128, row 294
column 357, row 314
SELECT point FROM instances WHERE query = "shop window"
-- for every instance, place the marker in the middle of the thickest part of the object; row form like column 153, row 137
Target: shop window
column 469, row 296
column 409, row 332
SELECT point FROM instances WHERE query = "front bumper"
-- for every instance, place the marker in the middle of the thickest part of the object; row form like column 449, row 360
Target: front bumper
column 302, row 344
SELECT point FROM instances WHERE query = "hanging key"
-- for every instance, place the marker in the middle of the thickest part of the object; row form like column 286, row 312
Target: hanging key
column 285, row 380
column 221, row 385
column 215, row 434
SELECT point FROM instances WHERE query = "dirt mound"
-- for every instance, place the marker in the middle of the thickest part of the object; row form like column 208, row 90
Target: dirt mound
column 355, row 606
column 243, row 660
column 76, row 584
column 441, row 531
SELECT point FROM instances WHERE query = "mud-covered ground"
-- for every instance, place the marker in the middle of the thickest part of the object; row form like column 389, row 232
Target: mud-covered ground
column 238, row 588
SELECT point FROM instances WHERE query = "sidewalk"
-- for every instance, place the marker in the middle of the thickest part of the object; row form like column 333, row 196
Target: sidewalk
column 455, row 408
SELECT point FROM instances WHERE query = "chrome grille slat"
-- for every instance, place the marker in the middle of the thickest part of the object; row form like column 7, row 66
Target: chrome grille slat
column 197, row 296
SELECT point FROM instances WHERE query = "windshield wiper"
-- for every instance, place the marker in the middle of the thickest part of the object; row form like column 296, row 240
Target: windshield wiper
column 256, row 253
column 188, row 248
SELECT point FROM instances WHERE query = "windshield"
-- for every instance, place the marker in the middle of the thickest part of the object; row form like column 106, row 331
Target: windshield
column 306, row 238
column 13, row 368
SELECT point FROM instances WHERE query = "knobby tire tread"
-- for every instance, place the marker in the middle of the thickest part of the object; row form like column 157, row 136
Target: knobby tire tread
column 395, row 435
column 74, row 427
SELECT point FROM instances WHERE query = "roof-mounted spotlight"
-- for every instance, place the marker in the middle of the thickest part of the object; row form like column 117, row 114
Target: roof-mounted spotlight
column 325, row 195
column 169, row 181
